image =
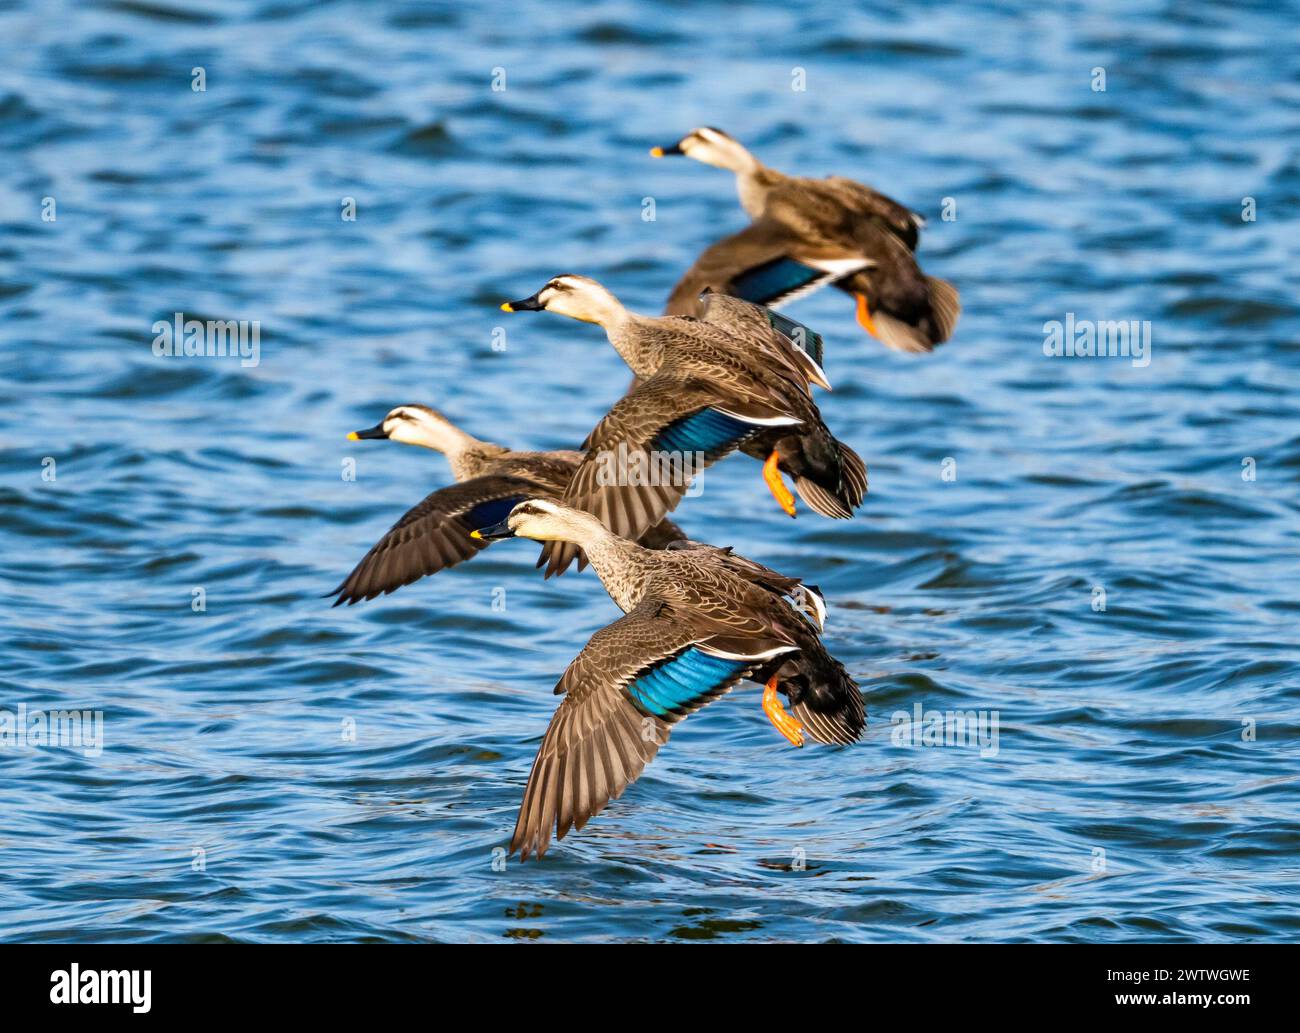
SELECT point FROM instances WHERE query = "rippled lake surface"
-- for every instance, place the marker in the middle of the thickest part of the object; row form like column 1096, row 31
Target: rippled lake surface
column 1103, row 555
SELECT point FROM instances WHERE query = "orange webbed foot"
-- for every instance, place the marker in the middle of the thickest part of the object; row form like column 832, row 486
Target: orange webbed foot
column 785, row 724
column 864, row 316
column 772, row 478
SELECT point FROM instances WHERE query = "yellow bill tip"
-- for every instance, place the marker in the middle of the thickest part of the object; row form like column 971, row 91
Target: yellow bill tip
column 475, row 534
column 505, row 307
column 656, row 152
column 352, row 436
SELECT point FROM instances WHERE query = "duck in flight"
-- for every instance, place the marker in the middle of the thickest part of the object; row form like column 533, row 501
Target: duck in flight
column 490, row 480
column 730, row 379
column 697, row 621
column 806, row 233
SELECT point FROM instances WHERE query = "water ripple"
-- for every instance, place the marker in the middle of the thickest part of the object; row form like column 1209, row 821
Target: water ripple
column 1112, row 570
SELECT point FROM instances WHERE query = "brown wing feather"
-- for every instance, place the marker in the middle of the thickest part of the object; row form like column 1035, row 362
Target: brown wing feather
column 748, row 325
column 864, row 201
column 807, row 600
column 629, row 431
column 430, row 537
column 760, row 242
column 598, row 742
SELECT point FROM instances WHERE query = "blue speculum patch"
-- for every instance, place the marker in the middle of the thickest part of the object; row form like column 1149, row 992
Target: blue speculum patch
column 706, row 431
column 773, row 280
column 682, row 680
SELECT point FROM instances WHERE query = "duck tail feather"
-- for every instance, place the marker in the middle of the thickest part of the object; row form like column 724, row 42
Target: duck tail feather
column 854, row 475
column 900, row 336
column 839, row 728
column 820, row 500
column 945, row 307
column 841, row 715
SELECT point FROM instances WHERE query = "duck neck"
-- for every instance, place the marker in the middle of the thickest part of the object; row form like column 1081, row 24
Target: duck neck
column 633, row 339
column 470, row 457
column 618, row 564
column 754, row 181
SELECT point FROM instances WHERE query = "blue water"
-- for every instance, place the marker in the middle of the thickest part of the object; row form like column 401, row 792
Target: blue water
column 1144, row 785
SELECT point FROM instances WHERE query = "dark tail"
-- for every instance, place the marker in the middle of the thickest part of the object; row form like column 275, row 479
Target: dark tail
column 823, row 698
column 910, row 313
column 832, row 484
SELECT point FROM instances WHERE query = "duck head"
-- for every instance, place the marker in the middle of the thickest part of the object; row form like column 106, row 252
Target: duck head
column 544, row 521
column 415, row 425
column 712, row 147
column 578, row 297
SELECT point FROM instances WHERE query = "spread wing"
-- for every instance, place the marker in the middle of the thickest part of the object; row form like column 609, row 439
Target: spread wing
column 642, row 455
column 434, row 535
column 766, row 263
column 623, row 693
column 663, row 535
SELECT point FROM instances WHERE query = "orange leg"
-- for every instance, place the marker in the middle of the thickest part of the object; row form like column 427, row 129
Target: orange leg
column 785, row 724
column 772, row 478
column 864, row 316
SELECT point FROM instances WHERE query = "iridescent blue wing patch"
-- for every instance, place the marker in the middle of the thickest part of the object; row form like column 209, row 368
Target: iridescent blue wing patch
column 708, row 431
column 776, row 281
column 680, row 683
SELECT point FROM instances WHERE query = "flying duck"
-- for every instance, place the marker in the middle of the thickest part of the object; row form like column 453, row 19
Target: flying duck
column 707, row 386
column 807, row 233
column 697, row 620
column 490, row 481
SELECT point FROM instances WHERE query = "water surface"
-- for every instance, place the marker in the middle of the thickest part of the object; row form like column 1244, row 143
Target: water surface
column 1144, row 785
